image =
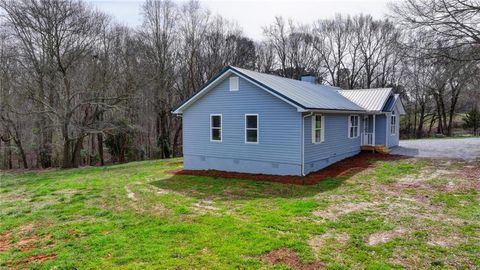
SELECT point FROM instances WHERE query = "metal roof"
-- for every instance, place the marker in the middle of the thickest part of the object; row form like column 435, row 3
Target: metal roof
column 390, row 104
column 370, row 99
column 307, row 95
column 393, row 101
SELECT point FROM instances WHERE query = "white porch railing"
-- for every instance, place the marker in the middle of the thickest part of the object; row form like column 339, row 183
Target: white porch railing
column 367, row 138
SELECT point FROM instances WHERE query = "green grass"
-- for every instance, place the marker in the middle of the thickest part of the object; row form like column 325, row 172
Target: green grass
column 137, row 216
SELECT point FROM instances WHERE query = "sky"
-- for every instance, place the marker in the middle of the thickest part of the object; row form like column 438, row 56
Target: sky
column 252, row 15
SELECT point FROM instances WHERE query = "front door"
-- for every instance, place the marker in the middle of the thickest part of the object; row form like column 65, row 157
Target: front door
column 366, row 124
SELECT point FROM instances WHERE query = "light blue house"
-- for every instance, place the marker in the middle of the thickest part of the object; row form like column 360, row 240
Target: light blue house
column 246, row 121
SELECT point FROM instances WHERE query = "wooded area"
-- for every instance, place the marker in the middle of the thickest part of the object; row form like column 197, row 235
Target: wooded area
column 77, row 88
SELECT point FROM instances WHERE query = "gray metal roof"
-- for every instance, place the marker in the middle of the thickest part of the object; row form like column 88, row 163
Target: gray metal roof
column 390, row 104
column 308, row 95
column 393, row 101
column 370, row 99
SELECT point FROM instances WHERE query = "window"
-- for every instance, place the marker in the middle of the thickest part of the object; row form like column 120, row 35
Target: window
column 353, row 121
column 233, row 83
column 393, row 123
column 251, row 128
column 318, row 128
column 216, row 127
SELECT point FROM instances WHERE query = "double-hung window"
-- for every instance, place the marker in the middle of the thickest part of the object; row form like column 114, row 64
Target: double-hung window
column 318, row 128
column 353, row 126
column 216, row 127
column 251, row 128
column 393, row 124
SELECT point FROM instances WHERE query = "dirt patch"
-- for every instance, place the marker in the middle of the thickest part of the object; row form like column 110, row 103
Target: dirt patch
column 27, row 241
column 291, row 259
column 38, row 258
column 345, row 168
column 383, row 237
column 471, row 172
column 318, row 241
column 5, row 241
column 337, row 210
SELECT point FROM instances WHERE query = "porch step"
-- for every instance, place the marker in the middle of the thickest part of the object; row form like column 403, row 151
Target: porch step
column 377, row 148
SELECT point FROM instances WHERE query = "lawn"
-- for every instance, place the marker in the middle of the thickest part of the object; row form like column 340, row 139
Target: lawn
column 408, row 213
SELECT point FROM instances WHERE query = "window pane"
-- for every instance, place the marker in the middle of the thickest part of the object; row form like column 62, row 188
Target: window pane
column 233, row 83
column 318, row 121
column 216, row 121
column 252, row 135
column 251, row 121
column 216, row 134
column 318, row 135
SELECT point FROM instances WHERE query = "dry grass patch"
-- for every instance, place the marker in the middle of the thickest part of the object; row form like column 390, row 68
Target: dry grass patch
column 337, row 210
column 384, row 237
column 319, row 241
column 291, row 259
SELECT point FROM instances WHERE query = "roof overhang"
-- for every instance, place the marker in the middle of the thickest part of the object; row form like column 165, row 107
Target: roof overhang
column 335, row 111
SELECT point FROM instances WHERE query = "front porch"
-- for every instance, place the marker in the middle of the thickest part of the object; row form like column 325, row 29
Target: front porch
column 368, row 136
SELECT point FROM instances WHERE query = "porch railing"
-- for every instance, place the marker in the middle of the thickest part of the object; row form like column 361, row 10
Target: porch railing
column 367, row 138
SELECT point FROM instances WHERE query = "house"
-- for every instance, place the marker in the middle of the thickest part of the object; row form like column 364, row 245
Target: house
column 246, row 121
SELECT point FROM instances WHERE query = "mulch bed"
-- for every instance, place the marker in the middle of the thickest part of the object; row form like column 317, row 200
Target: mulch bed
column 343, row 168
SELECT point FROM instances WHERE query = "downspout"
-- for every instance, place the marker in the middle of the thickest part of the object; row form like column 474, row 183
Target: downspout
column 303, row 142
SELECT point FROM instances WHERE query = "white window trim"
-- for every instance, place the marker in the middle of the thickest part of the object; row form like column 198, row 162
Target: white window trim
column 394, row 127
column 322, row 129
column 221, row 128
column 350, row 126
column 258, row 128
column 234, row 81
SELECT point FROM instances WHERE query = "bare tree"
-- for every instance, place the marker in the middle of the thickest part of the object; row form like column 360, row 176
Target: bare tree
column 454, row 23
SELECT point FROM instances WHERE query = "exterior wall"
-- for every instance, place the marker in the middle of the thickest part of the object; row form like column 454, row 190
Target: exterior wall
column 381, row 126
column 382, row 133
column 336, row 145
column 279, row 148
column 393, row 139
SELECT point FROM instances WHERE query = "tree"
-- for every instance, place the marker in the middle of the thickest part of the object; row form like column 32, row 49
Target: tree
column 472, row 120
column 454, row 23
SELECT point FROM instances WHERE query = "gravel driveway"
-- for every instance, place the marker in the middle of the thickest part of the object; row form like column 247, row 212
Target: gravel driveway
column 468, row 148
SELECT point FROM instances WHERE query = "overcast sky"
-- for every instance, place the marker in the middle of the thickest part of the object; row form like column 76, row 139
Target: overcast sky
column 252, row 15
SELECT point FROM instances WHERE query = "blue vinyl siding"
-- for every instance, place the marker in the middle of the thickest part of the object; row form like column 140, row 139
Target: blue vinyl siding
column 279, row 147
column 336, row 146
column 380, row 129
column 382, row 134
column 393, row 139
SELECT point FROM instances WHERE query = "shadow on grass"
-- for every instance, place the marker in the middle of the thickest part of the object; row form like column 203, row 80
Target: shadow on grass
column 228, row 185
column 205, row 187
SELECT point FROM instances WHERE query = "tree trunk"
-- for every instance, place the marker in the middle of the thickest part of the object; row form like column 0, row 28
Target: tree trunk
column 100, row 148
column 176, row 142
column 76, row 157
column 66, row 147
column 8, row 155
column 164, row 138
column 45, row 142
column 18, row 142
